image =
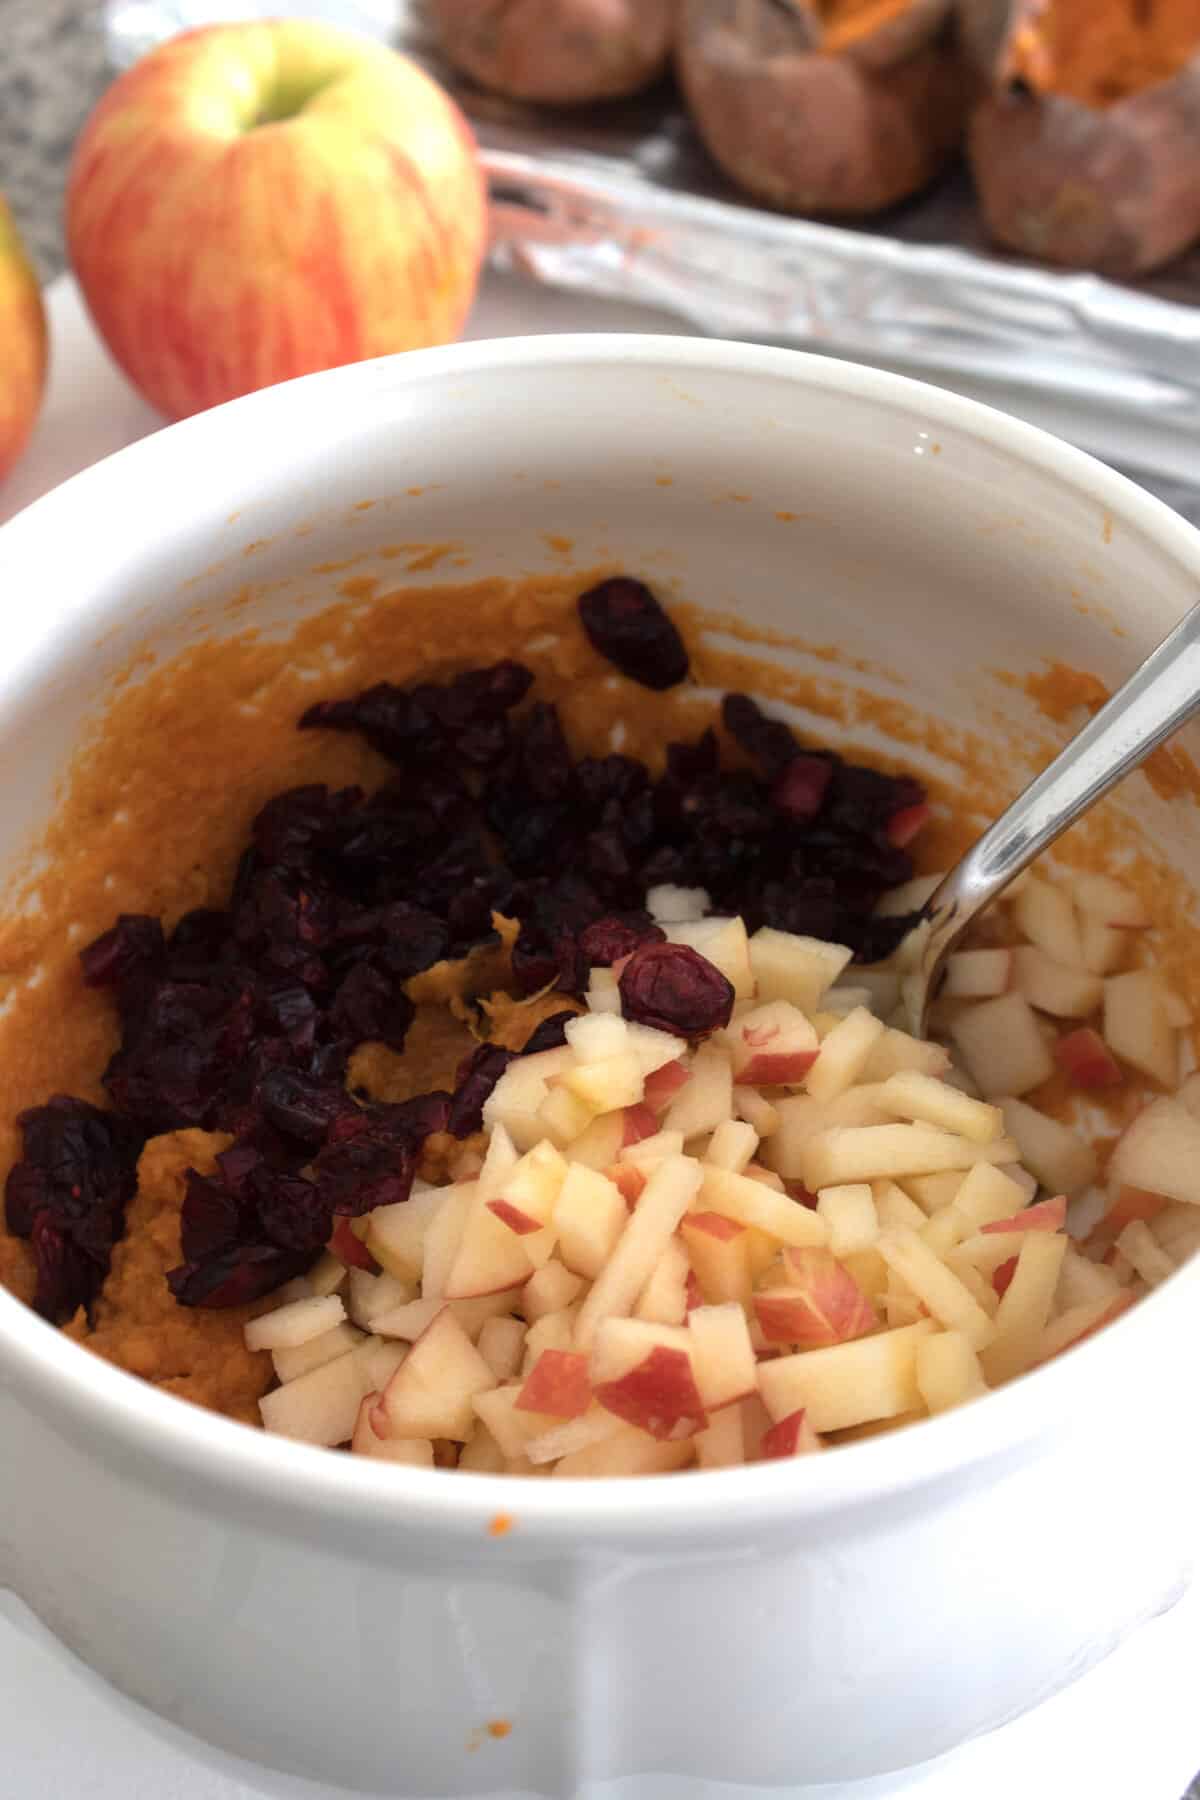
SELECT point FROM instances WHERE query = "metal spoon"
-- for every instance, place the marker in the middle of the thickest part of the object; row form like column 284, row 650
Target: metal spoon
column 1156, row 700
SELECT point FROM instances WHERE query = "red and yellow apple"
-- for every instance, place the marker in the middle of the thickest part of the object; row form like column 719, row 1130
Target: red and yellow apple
column 22, row 344
column 252, row 202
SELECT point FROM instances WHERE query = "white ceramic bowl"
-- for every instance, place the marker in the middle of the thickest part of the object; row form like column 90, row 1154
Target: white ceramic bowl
column 772, row 1626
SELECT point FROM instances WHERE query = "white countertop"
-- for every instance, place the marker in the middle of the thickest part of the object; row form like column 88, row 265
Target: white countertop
column 1125, row 1732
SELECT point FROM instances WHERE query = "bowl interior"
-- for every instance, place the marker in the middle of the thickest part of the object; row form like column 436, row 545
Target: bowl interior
column 906, row 544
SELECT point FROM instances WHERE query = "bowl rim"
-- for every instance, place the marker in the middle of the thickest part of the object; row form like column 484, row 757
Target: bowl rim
column 304, row 1488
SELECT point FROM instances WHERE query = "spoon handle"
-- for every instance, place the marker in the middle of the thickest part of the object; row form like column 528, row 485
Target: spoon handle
column 1156, row 700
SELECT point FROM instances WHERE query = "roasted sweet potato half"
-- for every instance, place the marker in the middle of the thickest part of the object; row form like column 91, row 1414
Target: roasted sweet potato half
column 1086, row 148
column 559, row 52
column 838, row 107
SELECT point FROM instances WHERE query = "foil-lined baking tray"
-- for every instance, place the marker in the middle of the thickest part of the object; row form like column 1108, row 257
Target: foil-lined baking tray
column 622, row 201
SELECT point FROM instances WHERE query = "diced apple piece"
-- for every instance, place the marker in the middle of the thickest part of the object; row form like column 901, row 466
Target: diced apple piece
column 515, row 1100
column 318, row 1408
column 934, row 1193
column 370, row 1295
column 756, row 1110
column 548, row 1290
column 574, row 1436
column 1059, row 1158
column 748, row 1201
column 514, row 1428
column 606, row 1086
column 771, row 1045
column 663, row 1300
column 654, row 1049
column 894, row 1207
column 936, row 1286
column 986, row 1194
column 822, row 1304
column 328, row 1275
column 491, row 1256
column 844, row 1000
column 627, row 1452
column 396, row 1234
column 1100, row 897
column 1160, row 1151
column 1136, row 1027
column 290, row 1364
column 892, row 1152
column 288, row 1327
column 859, row 1105
column 643, row 1373
column 666, row 1197
column 723, row 943
column 793, row 1436
column 1105, row 947
column 1024, row 1310
column 1046, row 916
column 896, row 1050
column 718, row 1250
column 1068, row 992
column 977, row 974
column 418, row 1452
column 650, row 1150
column 378, row 1360
column 589, row 1217
column 732, row 1146
column 793, row 968
column 502, row 1346
column 722, row 1443
column 603, row 993
column 524, row 1197
column 848, row 1384
column 348, row 1249
column 1179, row 1013
column 943, row 1230
column 563, row 1116
column 1079, row 1322
column 1001, row 1044
column 499, row 1162
column 849, row 1212
column 662, row 1085
column 1047, row 1215
column 431, row 1392
column 948, row 1371
column 600, row 1144
column 670, row 905
column 722, row 1355
column 844, row 1055
column 1083, row 1282
column 558, row 1385
column 482, row 1455
column 553, row 1331
column 707, row 1100
column 594, row 1039
column 1086, row 1060
column 443, row 1236
column 799, row 1118
column 924, row 1099
column 1151, row 1262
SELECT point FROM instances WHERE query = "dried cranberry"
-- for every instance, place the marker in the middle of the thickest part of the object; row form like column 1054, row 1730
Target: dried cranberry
column 210, row 1219
column 551, row 1034
column 301, row 1107
column 769, row 741
column 372, row 1005
column 135, row 944
column 673, row 988
column 477, row 1077
column 237, row 1276
column 628, row 627
column 607, row 940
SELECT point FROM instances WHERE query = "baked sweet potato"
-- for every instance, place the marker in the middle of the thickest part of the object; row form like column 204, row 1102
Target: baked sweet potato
column 823, row 106
column 560, row 52
column 1086, row 148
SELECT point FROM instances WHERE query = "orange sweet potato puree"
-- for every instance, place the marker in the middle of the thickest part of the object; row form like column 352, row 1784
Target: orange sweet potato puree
column 157, row 805
column 1102, row 51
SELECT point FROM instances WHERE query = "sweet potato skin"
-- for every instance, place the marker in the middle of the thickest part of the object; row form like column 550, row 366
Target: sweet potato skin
column 1112, row 188
column 845, row 133
column 557, row 52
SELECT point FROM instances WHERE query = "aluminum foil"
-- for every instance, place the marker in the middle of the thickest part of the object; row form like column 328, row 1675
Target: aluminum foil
column 622, row 201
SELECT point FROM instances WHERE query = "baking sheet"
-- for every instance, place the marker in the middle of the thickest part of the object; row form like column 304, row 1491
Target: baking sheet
column 621, row 200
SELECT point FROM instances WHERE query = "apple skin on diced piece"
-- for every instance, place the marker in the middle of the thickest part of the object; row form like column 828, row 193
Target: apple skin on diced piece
column 821, row 1304
column 792, row 1436
column 1086, row 1060
column 849, row 1384
column 719, row 1252
column 797, row 969
column 558, row 1384
column 1003, row 1048
column 1136, row 1026
column 349, row 1248
column 431, row 1392
column 659, row 1395
column 1060, row 1159
column 320, row 1407
column 771, row 1045
column 1047, row 1215
column 977, row 974
column 662, row 1084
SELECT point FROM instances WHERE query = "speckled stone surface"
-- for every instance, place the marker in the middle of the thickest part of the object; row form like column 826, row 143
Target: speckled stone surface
column 52, row 68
